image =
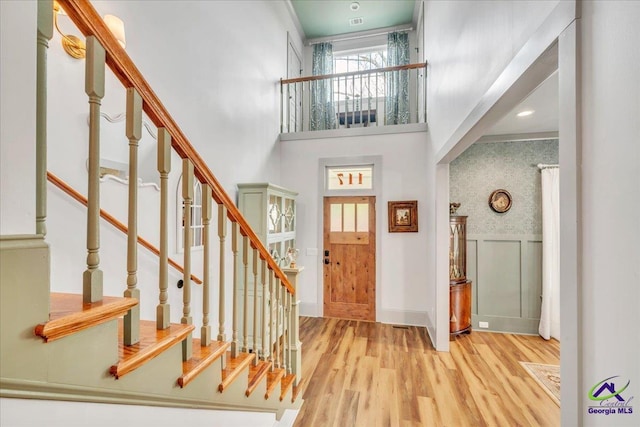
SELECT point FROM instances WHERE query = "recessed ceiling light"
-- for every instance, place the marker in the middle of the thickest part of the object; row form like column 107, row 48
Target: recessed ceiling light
column 525, row 113
column 354, row 6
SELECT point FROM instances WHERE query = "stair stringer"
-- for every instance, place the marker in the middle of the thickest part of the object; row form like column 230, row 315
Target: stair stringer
column 76, row 367
column 24, row 303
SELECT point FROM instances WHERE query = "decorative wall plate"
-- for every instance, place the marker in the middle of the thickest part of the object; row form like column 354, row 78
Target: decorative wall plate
column 500, row 201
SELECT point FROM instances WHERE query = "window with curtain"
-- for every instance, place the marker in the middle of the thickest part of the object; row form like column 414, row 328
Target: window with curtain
column 363, row 88
column 397, row 100
column 322, row 109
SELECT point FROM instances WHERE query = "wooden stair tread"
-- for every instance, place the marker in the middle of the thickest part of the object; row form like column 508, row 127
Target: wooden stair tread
column 200, row 359
column 233, row 368
column 256, row 374
column 273, row 379
column 68, row 314
column 287, row 382
column 297, row 389
column 152, row 343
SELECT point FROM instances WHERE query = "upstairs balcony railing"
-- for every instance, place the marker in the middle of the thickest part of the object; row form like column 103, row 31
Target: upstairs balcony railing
column 368, row 98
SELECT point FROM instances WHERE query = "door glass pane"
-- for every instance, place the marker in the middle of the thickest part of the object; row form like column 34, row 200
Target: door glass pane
column 362, row 215
column 289, row 215
column 336, row 217
column 275, row 214
column 349, row 217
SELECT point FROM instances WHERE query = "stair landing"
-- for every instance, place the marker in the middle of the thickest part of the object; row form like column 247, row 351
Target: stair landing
column 68, row 314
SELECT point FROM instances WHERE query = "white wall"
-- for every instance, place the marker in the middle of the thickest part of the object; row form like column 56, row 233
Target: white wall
column 401, row 285
column 17, row 117
column 610, row 202
column 467, row 45
column 216, row 67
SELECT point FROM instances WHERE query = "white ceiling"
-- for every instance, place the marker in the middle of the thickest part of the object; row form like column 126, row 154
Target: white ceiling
column 543, row 101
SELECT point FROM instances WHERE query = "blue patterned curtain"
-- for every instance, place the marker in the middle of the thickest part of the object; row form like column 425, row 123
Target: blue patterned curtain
column 397, row 101
column 322, row 110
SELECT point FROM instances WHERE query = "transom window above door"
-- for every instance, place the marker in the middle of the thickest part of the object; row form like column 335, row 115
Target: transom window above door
column 349, row 177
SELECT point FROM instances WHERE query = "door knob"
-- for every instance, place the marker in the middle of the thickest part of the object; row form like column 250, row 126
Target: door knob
column 326, row 261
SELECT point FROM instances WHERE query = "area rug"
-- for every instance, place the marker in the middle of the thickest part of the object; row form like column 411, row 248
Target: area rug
column 548, row 376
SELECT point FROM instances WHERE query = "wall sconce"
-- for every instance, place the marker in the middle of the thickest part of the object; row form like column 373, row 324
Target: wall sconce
column 74, row 46
column 70, row 43
column 116, row 26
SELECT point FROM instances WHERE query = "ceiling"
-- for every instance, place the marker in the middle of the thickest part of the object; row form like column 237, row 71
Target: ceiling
column 323, row 18
column 543, row 101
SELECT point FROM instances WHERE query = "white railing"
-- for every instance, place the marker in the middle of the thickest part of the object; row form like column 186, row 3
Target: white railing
column 354, row 99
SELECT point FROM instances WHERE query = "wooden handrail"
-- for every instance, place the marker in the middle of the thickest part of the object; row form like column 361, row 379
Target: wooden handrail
column 89, row 22
column 113, row 221
column 354, row 73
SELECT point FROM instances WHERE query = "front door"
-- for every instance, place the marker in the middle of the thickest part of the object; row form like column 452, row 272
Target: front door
column 350, row 257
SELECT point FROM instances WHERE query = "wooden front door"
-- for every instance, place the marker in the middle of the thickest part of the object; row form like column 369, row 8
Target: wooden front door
column 350, row 257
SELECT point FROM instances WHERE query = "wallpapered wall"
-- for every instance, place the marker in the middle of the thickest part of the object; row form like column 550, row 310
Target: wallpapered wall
column 483, row 168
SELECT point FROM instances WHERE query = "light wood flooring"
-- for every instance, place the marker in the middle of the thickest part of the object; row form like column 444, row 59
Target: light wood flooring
column 371, row 374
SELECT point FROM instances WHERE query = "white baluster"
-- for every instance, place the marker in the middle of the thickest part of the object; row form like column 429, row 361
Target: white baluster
column 263, row 305
column 245, row 314
column 134, row 133
column 164, row 167
column 289, row 331
column 94, row 88
column 45, row 32
column 277, row 292
column 187, row 196
column 205, row 330
column 236, row 283
column 285, row 346
column 255, row 306
column 222, row 234
column 271, row 319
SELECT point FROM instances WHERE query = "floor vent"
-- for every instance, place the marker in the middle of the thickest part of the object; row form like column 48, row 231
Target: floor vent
column 400, row 327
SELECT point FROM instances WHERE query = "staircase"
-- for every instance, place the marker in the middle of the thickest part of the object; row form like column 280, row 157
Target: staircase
column 89, row 347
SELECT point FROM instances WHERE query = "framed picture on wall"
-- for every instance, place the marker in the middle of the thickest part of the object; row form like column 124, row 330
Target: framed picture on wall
column 403, row 216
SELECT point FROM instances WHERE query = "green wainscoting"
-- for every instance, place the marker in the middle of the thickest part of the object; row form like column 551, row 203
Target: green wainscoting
column 506, row 270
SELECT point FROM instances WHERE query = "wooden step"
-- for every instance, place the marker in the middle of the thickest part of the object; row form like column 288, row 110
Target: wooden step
column 256, row 374
column 68, row 314
column 152, row 343
column 201, row 358
column 273, row 379
column 286, row 383
column 297, row 389
column 234, row 368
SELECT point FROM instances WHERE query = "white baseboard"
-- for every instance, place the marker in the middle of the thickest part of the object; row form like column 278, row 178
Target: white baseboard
column 431, row 328
column 403, row 317
column 309, row 309
column 395, row 317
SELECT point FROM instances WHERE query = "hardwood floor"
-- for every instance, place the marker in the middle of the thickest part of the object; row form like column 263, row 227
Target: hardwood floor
column 371, row 374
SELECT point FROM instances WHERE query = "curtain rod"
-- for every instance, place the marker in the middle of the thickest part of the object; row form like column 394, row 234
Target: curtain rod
column 360, row 34
column 543, row 166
